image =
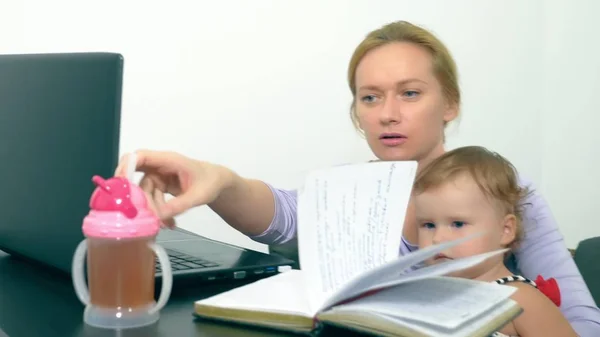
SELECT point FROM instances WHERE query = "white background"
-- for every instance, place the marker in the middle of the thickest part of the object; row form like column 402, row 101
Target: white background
column 260, row 85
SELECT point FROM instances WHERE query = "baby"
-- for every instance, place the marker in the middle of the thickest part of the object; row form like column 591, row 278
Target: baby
column 471, row 190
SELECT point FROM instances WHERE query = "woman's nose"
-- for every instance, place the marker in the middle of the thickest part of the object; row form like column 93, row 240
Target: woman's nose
column 390, row 111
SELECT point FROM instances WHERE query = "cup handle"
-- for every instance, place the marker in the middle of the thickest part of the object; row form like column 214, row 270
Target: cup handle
column 77, row 273
column 167, row 276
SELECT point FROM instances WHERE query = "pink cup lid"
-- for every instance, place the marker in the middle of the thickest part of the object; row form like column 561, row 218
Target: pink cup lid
column 119, row 209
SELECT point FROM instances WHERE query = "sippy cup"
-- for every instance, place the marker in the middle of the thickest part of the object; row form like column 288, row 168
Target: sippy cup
column 120, row 232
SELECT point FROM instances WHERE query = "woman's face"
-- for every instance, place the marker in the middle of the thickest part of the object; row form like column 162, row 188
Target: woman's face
column 400, row 104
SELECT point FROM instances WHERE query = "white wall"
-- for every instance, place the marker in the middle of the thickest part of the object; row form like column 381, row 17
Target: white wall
column 571, row 117
column 260, row 85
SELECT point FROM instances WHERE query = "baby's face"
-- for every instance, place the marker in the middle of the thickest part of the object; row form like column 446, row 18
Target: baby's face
column 455, row 210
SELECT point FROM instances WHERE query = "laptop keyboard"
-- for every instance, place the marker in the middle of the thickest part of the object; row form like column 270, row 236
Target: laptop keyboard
column 181, row 261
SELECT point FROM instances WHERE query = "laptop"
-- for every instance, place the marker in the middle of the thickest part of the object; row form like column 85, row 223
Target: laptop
column 59, row 126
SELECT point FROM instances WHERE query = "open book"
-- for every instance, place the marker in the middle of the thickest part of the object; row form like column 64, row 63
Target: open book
column 350, row 225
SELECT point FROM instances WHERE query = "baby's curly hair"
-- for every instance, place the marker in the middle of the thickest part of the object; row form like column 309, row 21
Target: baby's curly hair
column 494, row 174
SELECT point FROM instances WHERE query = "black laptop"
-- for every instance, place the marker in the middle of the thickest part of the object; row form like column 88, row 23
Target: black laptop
column 59, row 126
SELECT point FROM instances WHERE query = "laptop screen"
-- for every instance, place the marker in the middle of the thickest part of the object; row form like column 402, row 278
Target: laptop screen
column 59, row 126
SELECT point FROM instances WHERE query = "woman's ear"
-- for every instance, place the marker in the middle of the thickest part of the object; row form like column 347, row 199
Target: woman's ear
column 450, row 113
column 509, row 230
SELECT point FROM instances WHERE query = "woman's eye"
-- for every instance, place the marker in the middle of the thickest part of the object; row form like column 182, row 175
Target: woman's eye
column 458, row 224
column 410, row 94
column 369, row 99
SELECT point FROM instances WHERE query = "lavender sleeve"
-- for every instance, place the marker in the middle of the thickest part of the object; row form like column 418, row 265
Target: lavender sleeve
column 407, row 247
column 543, row 252
column 284, row 224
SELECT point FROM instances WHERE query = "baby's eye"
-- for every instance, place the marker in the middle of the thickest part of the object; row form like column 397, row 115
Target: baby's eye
column 369, row 99
column 458, row 224
column 428, row 225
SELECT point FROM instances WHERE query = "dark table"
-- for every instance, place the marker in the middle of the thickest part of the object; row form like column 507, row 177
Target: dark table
column 36, row 301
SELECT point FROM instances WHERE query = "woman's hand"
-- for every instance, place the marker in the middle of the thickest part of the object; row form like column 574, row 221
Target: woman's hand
column 191, row 182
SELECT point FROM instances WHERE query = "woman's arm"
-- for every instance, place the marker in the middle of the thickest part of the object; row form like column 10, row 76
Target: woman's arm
column 281, row 223
column 245, row 204
column 543, row 252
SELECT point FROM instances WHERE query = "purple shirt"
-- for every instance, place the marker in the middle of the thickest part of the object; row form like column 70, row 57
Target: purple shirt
column 542, row 252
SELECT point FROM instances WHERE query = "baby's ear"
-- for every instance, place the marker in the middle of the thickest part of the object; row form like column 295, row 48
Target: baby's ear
column 509, row 230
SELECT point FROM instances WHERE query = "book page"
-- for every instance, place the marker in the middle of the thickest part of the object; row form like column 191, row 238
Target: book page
column 350, row 220
column 438, row 269
column 446, row 302
column 281, row 293
column 490, row 321
column 483, row 325
column 398, row 271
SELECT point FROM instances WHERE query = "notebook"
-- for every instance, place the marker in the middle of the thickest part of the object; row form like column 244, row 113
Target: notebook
column 350, row 224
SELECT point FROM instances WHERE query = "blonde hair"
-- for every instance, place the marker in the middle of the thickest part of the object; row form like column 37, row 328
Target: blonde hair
column 444, row 66
column 494, row 174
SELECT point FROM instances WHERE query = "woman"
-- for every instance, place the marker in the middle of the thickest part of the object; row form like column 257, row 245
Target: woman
column 405, row 89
